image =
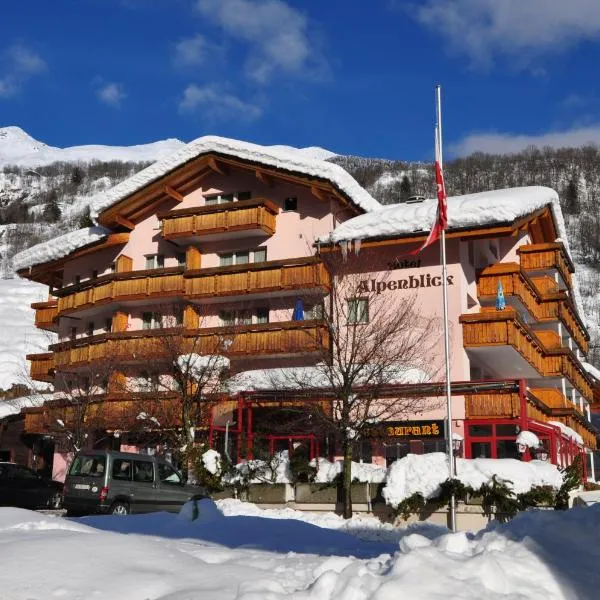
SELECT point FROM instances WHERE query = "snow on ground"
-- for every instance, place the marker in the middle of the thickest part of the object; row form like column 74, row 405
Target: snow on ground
column 19, row 334
column 255, row 555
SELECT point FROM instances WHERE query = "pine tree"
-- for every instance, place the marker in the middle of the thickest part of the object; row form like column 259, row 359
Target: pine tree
column 571, row 203
column 52, row 211
column 85, row 220
column 405, row 189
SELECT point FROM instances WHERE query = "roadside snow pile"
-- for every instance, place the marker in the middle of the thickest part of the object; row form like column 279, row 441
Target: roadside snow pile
column 425, row 473
column 362, row 472
column 58, row 247
column 539, row 554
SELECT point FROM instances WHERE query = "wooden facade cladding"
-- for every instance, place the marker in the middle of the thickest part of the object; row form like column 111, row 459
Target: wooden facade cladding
column 547, row 256
column 504, row 327
column 42, row 366
column 492, row 405
column 547, row 305
column 285, row 338
column 45, row 314
column 258, row 213
column 307, row 273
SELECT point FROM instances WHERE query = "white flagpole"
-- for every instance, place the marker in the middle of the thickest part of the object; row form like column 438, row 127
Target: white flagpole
column 446, row 335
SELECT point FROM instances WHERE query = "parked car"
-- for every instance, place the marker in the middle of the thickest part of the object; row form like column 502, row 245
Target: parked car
column 120, row 483
column 24, row 488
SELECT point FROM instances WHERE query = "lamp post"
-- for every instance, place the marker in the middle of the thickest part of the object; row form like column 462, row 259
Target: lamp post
column 457, row 447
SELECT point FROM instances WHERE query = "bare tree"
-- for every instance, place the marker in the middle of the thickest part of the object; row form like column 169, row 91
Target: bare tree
column 370, row 346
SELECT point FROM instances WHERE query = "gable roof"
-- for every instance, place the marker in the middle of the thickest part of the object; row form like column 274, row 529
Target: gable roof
column 280, row 158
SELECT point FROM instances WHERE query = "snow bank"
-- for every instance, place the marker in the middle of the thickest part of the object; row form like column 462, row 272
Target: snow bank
column 58, row 247
column 278, row 157
column 18, row 334
column 275, row 470
column 362, row 472
column 424, row 473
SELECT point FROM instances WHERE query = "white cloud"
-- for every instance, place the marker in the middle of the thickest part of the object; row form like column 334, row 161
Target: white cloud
column 519, row 29
column 24, row 60
column 111, row 93
column 505, row 143
column 277, row 35
column 192, row 51
column 20, row 64
column 217, row 104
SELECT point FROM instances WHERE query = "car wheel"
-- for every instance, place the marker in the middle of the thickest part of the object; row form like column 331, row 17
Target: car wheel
column 55, row 501
column 119, row 508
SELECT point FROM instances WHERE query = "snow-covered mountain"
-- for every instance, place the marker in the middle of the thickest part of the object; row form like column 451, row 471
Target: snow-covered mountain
column 18, row 148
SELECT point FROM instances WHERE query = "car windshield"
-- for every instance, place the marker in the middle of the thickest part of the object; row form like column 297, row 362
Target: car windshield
column 88, row 466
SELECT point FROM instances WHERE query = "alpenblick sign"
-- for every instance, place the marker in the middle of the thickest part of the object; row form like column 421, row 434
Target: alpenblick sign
column 412, row 282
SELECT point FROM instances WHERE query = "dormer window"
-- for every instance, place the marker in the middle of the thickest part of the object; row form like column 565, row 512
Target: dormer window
column 290, row 204
column 226, row 198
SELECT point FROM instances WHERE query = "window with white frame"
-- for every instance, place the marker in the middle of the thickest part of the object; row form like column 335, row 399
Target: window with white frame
column 151, row 320
column 155, row 261
column 243, row 257
column 314, row 312
column 358, row 310
column 213, row 199
column 244, row 317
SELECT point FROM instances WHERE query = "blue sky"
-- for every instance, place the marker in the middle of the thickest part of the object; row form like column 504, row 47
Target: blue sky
column 355, row 77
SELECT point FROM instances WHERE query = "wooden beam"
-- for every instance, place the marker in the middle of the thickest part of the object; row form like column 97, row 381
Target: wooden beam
column 318, row 193
column 263, row 178
column 216, row 167
column 124, row 222
column 173, row 194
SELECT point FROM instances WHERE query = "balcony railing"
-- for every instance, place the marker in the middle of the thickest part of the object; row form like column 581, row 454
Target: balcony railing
column 45, row 315
column 42, row 366
column 504, row 328
column 283, row 338
column 246, row 215
column 270, row 276
column 544, row 257
column 492, row 405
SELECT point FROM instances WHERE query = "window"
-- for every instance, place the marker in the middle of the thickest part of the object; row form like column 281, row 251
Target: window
column 167, row 474
column 148, row 382
column 73, row 334
column 227, row 318
column 244, row 317
column 90, row 328
column 77, row 279
column 219, row 199
column 88, row 466
column 241, row 196
column 492, row 440
column 108, row 325
column 260, row 255
column 181, row 259
column 243, row 257
column 155, row 261
column 122, row 469
column 262, row 315
column 143, row 472
column 94, row 274
column 314, row 312
column 358, row 310
column 112, row 267
column 290, row 204
column 151, row 320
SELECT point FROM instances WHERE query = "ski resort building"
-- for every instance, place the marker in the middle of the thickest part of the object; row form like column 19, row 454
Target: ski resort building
column 235, row 246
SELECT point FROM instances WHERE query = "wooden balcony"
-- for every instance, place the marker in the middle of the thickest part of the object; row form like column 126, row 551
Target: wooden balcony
column 275, row 339
column 257, row 215
column 546, row 257
column 492, row 405
column 132, row 285
column 259, row 278
column 42, row 366
column 514, row 284
column 541, row 349
column 45, row 315
column 558, row 307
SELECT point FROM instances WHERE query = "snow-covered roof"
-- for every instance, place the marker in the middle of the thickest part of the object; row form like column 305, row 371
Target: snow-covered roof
column 58, row 247
column 288, row 159
column 567, row 431
column 470, row 210
column 308, row 377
